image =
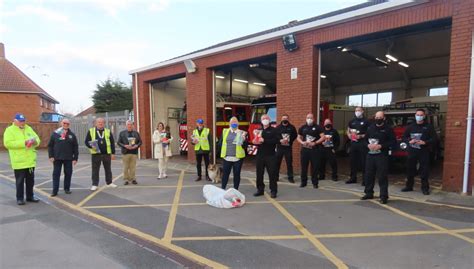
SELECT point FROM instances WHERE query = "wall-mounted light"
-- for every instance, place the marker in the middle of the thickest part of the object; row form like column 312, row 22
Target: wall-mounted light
column 403, row 64
column 260, row 84
column 220, row 77
column 190, row 66
column 323, row 76
column 289, row 42
column 241, row 80
column 391, row 57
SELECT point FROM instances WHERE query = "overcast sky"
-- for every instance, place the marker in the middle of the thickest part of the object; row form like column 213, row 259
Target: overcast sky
column 68, row 46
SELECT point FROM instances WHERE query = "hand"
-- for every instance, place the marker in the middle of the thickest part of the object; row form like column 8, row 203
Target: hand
column 51, row 159
column 112, row 157
column 74, row 163
column 421, row 142
column 371, row 146
column 413, row 141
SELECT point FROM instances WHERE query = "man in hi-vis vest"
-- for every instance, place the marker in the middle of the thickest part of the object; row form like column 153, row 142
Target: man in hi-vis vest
column 101, row 143
column 201, row 138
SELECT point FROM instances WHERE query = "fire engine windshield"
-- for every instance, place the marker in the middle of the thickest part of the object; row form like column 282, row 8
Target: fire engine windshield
column 396, row 120
column 258, row 111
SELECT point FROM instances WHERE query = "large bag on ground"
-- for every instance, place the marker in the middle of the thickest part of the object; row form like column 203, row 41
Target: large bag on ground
column 220, row 198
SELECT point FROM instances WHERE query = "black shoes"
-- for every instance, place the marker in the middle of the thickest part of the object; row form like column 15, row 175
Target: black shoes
column 383, row 201
column 198, row 178
column 68, row 192
column 426, row 192
column 134, row 182
column 291, row 180
column 33, row 200
column 273, row 195
column 315, row 186
column 406, row 189
column 334, row 179
column 258, row 193
column 350, row 181
column 367, row 197
column 125, row 183
column 208, row 178
column 54, row 194
column 20, row 202
column 302, row 185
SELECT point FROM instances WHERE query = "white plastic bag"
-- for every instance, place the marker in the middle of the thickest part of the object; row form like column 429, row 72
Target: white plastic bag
column 220, row 198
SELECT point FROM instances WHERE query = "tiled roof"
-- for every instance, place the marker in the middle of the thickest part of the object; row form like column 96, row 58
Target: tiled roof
column 88, row 111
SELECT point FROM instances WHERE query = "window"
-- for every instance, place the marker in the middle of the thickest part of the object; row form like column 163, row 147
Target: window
column 438, row 91
column 370, row 99
column 41, row 102
column 240, row 113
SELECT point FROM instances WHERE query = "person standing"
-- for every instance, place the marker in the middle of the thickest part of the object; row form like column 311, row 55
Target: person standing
column 266, row 140
column 63, row 151
column 21, row 141
column 201, row 138
column 380, row 139
column 129, row 141
column 356, row 130
column 330, row 145
column 420, row 137
column 287, row 135
column 310, row 136
column 232, row 147
column 101, row 144
column 162, row 141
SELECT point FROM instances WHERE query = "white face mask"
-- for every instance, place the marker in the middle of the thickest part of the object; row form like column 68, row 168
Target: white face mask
column 265, row 122
column 419, row 118
column 309, row 121
column 358, row 114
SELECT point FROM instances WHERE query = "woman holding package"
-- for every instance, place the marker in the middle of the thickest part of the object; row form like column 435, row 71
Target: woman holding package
column 232, row 146
column 162, row 141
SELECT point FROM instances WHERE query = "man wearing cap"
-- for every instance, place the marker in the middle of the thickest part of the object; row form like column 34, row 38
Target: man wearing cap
column 63, row 150
column 202, row 147
column 21, row 142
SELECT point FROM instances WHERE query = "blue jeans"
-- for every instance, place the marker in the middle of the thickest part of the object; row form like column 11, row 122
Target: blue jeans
column 236, row 167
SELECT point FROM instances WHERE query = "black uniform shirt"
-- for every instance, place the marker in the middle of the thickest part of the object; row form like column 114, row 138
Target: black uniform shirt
column 383, row 135
column 335, row 140
column 290, row 130
column 270, row 139
column 360, row 124
column 312, row 133
column 424, row 132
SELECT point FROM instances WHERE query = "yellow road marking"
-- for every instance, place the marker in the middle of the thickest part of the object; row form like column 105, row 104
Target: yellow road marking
column 174, row 210
column 300, row 227
column 184, row 252
column 240, row 237
column 62, row 176
column 90, row 196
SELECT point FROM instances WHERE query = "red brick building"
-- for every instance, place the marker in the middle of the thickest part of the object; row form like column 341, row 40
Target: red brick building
column 18, row 93
column 441, row 29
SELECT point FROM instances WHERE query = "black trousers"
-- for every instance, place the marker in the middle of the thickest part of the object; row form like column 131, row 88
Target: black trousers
column 376, row 165
column 24, row 177
column 358, row 153
column 328, row 156
column 287, row 152
column 423, row 158
column 58, row 164
column 106, row 160
column 269, row 163
column 235, row 167
column 312, row 156
column 199, row 158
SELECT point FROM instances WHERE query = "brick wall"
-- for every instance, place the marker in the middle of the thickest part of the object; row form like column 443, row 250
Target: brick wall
column 28, row 104
column 44, row 131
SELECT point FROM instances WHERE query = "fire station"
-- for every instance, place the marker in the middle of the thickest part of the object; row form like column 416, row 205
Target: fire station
column 394, row 56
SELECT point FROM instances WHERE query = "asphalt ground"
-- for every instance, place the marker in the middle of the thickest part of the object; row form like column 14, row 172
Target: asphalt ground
column 167, row 224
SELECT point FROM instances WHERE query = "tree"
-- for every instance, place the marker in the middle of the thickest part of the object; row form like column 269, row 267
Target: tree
column 112, row 95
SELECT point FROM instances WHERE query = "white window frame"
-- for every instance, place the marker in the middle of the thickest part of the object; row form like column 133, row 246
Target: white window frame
column 362, row 97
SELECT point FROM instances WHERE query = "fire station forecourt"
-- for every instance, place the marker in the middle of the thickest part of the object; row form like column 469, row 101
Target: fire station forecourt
column 167, row 224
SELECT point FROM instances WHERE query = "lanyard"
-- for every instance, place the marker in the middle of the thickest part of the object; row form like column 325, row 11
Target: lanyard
column 101, row 136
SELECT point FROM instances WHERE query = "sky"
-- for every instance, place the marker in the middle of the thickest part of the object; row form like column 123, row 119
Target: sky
column 68, row 46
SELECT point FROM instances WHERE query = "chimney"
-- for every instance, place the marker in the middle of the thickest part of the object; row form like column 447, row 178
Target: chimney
column 2, row 50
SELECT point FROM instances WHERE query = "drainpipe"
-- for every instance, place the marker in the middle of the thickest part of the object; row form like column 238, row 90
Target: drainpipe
column 136, row 109
column 469, row 124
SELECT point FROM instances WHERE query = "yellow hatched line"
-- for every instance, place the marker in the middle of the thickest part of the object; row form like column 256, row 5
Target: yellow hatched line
column 48, row 181
column 174, row 210
column 93, row 194
column 307, row 234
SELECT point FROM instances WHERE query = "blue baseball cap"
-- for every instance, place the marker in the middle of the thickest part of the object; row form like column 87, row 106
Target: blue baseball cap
column 200, row 121
column 20, row 117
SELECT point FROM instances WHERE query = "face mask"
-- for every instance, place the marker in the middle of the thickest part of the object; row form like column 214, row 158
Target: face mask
column 328, row 126
column 419, row 118
column 379, row 121
column 358, row 114
column 309, row 121
column 234, row 125
column 265, row 122
column 285, row 122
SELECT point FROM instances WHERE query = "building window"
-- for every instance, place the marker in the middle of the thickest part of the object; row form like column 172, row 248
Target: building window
column 370, row 99
column 41, row 102
column 438, row 91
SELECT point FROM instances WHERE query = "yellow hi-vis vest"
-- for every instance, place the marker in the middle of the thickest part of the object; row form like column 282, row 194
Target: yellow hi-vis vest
column 203, row 143
column 239, row 152
column 93, row 131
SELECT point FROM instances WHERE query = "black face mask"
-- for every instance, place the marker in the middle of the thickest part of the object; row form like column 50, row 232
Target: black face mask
column 285, row 122
column 379, row 121
column 328, row 126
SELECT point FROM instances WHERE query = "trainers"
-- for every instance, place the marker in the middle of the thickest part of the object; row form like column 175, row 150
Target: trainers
column 93, row 188
column 125, row 183
column 134, row 182
column 165, row 176
column 112, row 185
column 406, row 189
column 159, row 177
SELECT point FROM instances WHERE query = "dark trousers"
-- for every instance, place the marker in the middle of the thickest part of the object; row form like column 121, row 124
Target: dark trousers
column 328, row 156
column 312, row 156
column 199, row 158
column 268, row 162
column 58, row 164
column 423, row 158
column 358, row 153
column 24, row 177
column 106, row 160
column 236, row 167
column 376, row 165
column 287, row 152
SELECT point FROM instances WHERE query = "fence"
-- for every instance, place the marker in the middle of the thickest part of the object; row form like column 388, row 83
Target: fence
column 115, row 121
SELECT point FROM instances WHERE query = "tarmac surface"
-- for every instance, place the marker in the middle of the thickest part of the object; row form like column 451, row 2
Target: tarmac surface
column 167, row 224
